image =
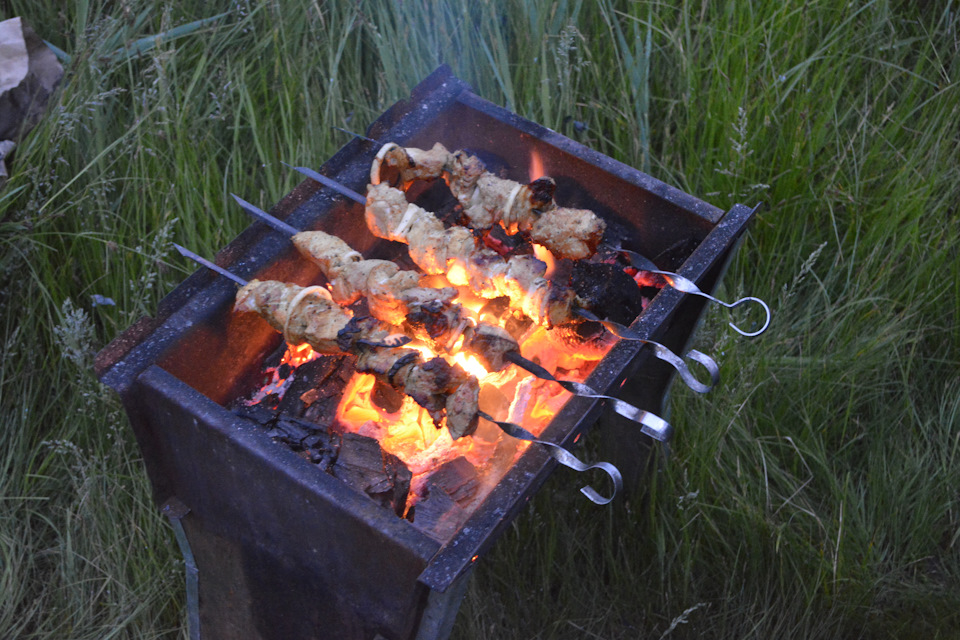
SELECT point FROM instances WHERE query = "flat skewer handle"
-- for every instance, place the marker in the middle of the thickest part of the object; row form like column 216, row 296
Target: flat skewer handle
column 565, row 458
column 686, row 285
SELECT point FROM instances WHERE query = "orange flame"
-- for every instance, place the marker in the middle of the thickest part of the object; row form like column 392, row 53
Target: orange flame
column 297, row 355
column 536, row 166
column 543, row 254
column 410, row 433
column 294, row 356
column 457, row 275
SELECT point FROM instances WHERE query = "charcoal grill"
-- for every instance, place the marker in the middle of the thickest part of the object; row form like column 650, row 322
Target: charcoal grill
column 280, row 550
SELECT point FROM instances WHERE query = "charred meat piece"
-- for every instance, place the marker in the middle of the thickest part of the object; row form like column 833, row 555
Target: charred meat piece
column 491, row 344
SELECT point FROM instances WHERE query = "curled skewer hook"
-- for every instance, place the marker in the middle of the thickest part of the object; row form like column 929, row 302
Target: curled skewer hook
column 565, row 458
column 665, row 354
column 686, row 285
column 731, row 305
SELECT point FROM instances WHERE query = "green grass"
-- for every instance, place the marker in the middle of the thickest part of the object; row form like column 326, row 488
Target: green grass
column 814, row 494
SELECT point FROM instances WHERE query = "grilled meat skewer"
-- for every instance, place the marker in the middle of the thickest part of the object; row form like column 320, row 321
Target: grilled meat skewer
column 460, row 405
column 455, row 253
column 309, row 314
column 395, row 296
column 488, row 200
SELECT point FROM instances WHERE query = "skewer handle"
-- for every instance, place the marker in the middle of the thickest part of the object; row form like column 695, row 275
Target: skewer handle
column 680, row 283
column 665, row 354
column 686, row 285
column 565, row 458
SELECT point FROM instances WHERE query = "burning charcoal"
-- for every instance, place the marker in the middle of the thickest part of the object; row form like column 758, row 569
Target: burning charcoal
column 607, row 290
column 257, row 413
column 311, row 440
column 273, row 360
column 517, row 325
column 322, row 448
column 293, row 431
column 458, row 479
column 307, row 376
column 498, row 240
column 438, row 515
column 436, row 196
column 402, row 476
column 310, row 397
column 291, row 403
column 496, row 307
column 323, row 412
column 386, row 397
column 382, row 476
column 320, row 370
column 271, row 402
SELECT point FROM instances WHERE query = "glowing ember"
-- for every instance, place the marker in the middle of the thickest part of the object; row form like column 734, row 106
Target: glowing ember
column 282, row 375
column 457, row 275
column 512, row 394
column 410, row 433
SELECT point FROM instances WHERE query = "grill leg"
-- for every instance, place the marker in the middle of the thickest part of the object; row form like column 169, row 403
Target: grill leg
column 441, row 610
column 175, row 511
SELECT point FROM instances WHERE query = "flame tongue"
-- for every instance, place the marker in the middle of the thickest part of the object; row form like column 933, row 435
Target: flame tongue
column 543, row 254
column 536, row 166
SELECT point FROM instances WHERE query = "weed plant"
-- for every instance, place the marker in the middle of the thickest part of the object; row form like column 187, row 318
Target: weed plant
column 814, row 494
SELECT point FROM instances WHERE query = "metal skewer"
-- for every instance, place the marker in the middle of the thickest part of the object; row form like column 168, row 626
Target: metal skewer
column 686, row 285
column 664, row 353
column 565, row 458
column 354, row 134
column 209, row 265
column 327, row 182
column 660, row 351
column 561, row 455
column 650, row 424
column 640, row 262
